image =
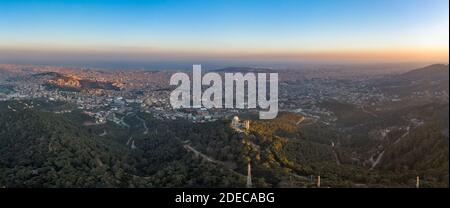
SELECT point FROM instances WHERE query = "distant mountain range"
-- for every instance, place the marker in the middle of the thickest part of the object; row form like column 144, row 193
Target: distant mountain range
column 432, row 73
column 245, row 70
column 433, row 78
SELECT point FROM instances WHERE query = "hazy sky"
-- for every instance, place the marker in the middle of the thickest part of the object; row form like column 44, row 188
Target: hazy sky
column 294, row 30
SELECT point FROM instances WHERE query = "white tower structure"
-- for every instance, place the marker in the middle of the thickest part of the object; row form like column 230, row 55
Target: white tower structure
column 249, row 176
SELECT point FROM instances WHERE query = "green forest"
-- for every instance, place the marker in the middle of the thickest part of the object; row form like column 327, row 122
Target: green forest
column 39, row 148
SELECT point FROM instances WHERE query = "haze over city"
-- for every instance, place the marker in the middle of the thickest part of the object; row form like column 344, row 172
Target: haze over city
column 175, row 34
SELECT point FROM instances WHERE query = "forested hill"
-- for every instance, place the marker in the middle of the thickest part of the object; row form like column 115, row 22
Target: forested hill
column 39, row 148
column 43, row 149
column 429, row 79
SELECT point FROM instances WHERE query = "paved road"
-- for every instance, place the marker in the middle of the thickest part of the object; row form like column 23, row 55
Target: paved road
column 368, row 112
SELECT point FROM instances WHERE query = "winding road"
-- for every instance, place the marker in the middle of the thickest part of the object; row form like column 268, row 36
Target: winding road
column 368, row 112
column 144, row 124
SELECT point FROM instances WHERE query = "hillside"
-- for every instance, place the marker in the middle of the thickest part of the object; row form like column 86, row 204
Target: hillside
column 430, row 79
column 42, row 149
column 75, row 83
column 436, row 73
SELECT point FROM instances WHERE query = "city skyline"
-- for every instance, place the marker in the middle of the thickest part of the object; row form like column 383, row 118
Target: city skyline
column 291, row 31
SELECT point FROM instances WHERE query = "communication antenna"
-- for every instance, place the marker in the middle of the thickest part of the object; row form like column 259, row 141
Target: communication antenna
column 249, row 175
column 318, row 181
column 417, row 182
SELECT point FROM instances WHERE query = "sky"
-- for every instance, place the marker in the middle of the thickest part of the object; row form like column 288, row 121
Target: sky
column 201, row 30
